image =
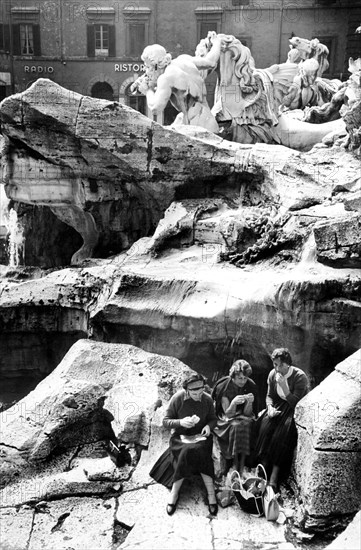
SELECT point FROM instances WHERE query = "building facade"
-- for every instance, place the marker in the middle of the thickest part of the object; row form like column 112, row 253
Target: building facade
column 94, row 47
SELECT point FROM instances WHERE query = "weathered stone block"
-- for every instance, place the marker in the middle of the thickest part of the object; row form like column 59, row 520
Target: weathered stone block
column 338, row 242
column 328, row 465
column 354, row 201
column 329, row 481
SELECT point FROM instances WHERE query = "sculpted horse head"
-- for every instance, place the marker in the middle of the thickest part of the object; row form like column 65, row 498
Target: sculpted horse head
column 309, row 49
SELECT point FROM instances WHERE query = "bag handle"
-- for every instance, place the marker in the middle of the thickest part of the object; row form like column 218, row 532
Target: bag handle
column 238, row 480
column 263, row 471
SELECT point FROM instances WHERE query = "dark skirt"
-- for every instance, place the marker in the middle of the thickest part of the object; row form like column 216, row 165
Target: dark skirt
column 277, row 438
column 182, row 460
column 234, row 436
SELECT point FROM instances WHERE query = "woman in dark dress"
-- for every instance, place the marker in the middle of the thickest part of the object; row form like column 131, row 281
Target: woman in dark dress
column 236, row 408
column 191, row 417
column 277, row 437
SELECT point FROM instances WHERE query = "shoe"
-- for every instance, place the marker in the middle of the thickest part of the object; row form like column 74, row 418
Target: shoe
column 171, row 508
column 213, row 509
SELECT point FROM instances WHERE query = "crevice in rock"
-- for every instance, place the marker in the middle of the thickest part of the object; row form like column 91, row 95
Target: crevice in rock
column 60, row 522
column 10, row 446
column 76, row 452
column 31, row 530
column 77, row 115
column 149, row 147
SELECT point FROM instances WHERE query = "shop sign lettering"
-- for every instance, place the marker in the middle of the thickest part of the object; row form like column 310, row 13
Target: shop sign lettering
column 38, row 69
column 134, row 67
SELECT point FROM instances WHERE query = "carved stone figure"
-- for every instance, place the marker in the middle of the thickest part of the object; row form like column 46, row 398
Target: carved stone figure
column 308, row 88
column 180, row 81
column 250, row 99
column 248, row 96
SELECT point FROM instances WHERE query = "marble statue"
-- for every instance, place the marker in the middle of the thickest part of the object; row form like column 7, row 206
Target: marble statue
column 180, row 81
column 252, row 99
column 308, row 87
column 248, row 101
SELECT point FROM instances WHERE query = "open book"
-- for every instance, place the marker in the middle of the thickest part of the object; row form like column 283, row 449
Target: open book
column 192, row 438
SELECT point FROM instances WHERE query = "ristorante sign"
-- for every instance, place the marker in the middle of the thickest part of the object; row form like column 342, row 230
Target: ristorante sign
column 133, row 67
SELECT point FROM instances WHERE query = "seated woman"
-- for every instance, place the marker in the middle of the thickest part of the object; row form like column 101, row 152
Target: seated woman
column 277, row 437
column 236, row 406
column 191, row 417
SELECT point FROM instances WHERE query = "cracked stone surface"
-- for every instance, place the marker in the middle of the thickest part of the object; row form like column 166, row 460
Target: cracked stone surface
column 192, row 527
column 80, row 524
column 15, row 527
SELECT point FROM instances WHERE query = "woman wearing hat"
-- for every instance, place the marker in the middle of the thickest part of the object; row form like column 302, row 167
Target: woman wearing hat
column 191, row 417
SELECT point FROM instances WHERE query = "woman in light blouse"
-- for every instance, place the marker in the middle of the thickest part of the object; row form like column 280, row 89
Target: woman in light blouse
column 277, row 437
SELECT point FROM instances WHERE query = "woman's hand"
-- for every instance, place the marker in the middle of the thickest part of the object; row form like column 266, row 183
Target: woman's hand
column 272, row 411
column 206, row 431
column 250, row 397
column 239, row 400
column 186, row 422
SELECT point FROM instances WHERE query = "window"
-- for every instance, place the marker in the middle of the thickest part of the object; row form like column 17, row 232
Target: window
column 26, row 30
column 246, row 41
column 137, row 102
column 331, row 43
column 4, row 38
column 26, row 39
column 205, row 26
column 136, row 29
column 101, row 40
column 209, row 18
column 136, row 39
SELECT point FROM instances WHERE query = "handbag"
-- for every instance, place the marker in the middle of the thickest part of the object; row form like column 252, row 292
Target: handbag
column 249, row 492
column 270, row 504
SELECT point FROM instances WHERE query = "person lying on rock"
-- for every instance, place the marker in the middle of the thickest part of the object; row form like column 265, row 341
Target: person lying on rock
column 236, row 403
column 191, row 417
column 277, row 437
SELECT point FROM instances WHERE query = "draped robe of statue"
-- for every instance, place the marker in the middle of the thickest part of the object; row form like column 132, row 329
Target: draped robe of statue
column 250, row 99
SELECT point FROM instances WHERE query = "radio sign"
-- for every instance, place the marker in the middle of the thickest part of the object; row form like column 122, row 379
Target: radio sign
column 38, row 69
column 134, row 67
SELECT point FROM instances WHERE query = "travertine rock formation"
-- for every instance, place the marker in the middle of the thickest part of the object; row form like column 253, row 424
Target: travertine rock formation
column 328, row 465
column 110, row 173
column 96, row 390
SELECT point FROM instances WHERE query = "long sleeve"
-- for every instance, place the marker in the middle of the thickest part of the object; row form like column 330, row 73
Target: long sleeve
column 254, row 390
column 211, row 418
column 271, row 392
column 298, row 389
column 171, row 419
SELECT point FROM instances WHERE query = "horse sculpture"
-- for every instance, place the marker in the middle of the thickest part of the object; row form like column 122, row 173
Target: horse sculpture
column 251, row 100
column 308, row 88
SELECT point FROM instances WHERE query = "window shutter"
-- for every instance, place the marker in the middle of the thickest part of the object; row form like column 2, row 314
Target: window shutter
column 7, row 38
column 2, row 45
column 16, row 40
column 90, row 41
column 36, row 36
column 111, row 40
